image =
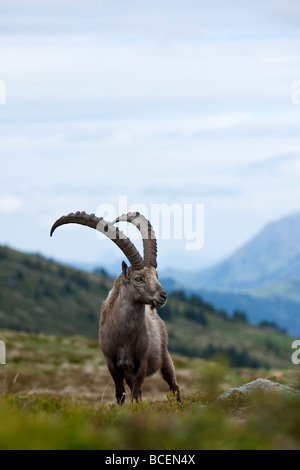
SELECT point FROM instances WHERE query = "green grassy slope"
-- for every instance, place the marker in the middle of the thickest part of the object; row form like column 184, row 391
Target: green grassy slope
column 214, row 333
column 47, row 422
column 56, row 393
column 41, row 296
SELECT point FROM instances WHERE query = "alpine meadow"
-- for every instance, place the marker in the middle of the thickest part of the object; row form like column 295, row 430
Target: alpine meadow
column 57, row 392
column 149, row 227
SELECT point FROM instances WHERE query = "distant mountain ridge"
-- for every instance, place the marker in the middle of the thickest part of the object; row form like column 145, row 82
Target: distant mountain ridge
column 262, row 277
column 272, row 255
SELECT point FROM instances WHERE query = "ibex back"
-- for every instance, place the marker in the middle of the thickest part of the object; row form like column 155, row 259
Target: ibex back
column 132, row 336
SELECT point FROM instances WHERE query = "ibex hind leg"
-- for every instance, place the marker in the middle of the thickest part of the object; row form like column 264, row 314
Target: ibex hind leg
column 139, row 399
column 168, row 373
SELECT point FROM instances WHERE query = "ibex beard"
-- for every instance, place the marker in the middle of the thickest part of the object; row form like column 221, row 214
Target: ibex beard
column 132, row 336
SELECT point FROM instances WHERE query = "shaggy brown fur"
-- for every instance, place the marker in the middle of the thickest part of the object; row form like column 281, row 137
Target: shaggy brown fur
column 132, row 336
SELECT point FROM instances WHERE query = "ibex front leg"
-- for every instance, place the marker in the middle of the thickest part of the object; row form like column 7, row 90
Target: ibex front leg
column 118, row 378
column 137, row 380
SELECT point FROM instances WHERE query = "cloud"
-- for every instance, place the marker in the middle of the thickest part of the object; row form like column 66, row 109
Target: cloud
column 154, row 21
column 280, row 165
column 10, row 204
column 160, row 101
column 286, row 12
column 230, row 75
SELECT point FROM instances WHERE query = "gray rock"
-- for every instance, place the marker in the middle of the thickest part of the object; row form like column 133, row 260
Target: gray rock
column 259, row 386
column 203, row 407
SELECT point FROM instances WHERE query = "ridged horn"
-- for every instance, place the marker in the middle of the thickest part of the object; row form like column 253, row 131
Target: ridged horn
column 148, row 235
column 107, row 228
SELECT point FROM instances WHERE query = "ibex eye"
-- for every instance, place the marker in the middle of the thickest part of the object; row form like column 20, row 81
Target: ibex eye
column 138, row 279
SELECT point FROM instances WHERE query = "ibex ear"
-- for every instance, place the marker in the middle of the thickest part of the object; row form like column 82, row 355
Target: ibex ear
column 125, row 270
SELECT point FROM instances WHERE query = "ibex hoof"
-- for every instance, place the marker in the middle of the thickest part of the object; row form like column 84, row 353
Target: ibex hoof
column 122, row 399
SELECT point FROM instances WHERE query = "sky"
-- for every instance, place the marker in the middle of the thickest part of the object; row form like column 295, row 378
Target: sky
column 191, row 103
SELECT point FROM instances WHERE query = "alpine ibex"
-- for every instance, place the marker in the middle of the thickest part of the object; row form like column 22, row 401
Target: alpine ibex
column 132, row 336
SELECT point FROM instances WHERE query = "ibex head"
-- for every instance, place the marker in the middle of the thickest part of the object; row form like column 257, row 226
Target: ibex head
column 144, row 286
column 141, row 276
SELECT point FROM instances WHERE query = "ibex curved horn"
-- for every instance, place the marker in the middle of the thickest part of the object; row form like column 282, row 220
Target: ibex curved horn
column 148, row 235
column 107, row 228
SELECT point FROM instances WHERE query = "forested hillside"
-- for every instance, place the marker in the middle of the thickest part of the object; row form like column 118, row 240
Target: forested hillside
column 41, row 296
